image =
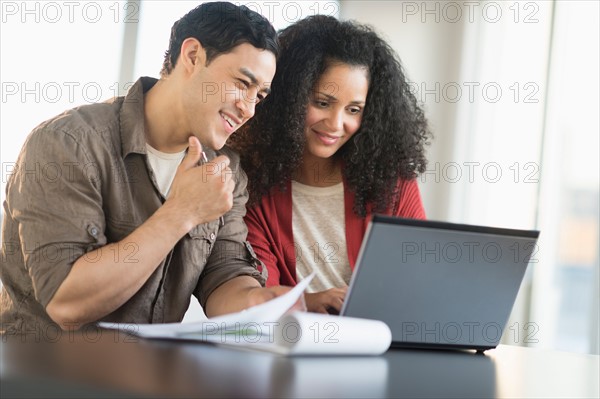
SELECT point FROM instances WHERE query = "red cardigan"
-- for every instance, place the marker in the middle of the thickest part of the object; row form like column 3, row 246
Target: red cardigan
column 270, row 228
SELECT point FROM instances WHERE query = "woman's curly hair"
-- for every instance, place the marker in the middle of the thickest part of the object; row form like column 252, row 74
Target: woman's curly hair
column 390, row 141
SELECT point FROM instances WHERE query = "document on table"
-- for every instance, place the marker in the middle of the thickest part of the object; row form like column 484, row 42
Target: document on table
column 271, row 326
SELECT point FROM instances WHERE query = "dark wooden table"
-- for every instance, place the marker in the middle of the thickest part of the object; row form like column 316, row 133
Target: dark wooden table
column 112, row 364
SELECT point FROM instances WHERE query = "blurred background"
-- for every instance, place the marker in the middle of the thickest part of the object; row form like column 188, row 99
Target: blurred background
column 510, row 88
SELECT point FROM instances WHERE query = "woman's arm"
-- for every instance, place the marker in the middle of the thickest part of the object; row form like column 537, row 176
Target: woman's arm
column 258, row 238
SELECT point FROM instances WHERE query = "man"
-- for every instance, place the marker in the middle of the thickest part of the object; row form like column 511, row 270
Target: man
column 134, row 219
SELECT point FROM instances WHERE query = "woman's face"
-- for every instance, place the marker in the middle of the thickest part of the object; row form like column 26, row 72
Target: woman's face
column 335, row 109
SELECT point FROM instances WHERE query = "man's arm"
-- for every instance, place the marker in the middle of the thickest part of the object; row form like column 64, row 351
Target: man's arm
column 98, row 284
column 232, row 279
column 238, row 294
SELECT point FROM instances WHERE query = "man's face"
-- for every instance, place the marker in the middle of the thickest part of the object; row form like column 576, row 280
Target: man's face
column 221, row 97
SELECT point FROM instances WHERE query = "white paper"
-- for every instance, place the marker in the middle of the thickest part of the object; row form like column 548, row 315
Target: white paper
column 267, row 327
column 266, row 312
column 316, row 334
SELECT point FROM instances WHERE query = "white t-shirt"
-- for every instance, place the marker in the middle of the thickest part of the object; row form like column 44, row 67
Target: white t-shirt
column 318, row 225
column 164, row 166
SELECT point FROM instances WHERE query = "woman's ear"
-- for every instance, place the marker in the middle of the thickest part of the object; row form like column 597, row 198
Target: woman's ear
column 192, row 54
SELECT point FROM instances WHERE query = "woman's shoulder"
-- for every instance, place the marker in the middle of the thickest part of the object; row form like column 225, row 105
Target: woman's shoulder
column 276, row 196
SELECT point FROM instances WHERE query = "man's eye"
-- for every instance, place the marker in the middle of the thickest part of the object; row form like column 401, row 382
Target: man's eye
column 245, row 83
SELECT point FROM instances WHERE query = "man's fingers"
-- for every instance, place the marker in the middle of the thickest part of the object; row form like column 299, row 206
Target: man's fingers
column 218, row 166
column 194, row 153
column 222, row 162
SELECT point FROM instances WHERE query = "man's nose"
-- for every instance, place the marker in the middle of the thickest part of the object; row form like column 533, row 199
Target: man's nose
column 247, row 105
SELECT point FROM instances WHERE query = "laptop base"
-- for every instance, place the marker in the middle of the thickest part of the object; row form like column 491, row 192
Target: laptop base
column 424, row 345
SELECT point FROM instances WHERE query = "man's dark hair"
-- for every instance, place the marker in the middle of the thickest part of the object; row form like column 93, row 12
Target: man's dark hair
column 219, row 27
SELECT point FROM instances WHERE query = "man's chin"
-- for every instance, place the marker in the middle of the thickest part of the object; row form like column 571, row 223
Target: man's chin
column 214, row 144
column 220, row 142
column 217, row 146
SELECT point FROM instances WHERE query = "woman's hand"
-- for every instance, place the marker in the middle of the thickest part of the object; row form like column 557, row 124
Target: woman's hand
column 329, row 301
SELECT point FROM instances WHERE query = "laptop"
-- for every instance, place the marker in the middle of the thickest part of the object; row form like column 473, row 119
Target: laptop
column 437, row 284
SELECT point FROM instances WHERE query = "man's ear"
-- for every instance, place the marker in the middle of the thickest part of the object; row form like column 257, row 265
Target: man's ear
column 192, row 54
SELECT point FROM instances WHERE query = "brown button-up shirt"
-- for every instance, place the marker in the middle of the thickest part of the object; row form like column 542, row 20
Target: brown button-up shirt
column 83, row 180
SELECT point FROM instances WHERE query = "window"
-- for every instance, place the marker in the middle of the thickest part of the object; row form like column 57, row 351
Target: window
column 565, row 291
column 157, row 17
column 527, row 148
column 55, row 56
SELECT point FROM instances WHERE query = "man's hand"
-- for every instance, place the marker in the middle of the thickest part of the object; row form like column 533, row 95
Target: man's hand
column 98, row 284
column 260, row 295
column 241, row 293
column 201, row 193
column 329, row 301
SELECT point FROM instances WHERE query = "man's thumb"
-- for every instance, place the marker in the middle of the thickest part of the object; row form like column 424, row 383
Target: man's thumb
column 194, row 153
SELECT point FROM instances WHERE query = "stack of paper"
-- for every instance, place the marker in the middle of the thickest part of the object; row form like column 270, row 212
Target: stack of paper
column 272, row 327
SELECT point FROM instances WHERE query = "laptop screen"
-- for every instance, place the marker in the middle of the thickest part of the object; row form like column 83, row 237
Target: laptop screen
column 439, row 284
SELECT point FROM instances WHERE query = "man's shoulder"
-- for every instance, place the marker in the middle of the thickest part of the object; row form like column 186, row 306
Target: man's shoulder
column 85, row 119
column 77, row 132
column 233, row 156
column 230, row 152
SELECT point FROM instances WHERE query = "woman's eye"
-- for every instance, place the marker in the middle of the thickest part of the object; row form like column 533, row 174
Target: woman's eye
column 355, row 110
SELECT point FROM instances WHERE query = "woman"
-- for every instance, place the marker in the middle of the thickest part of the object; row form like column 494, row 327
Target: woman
column 340, row 137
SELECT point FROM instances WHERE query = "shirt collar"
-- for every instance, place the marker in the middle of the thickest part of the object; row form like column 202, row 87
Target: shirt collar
column 133, row 136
